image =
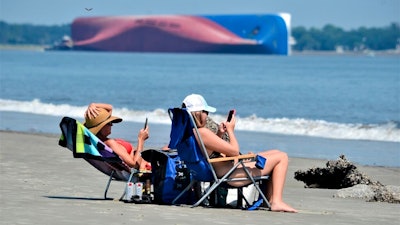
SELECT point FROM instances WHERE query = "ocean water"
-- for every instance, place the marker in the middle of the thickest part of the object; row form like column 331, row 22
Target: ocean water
column 316, row 106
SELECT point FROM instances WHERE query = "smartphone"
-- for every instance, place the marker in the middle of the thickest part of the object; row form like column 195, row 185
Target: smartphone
column 145, row 123
column 231, row 112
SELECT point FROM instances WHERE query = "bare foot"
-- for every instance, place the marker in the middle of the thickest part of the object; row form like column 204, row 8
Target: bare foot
column 282, row 207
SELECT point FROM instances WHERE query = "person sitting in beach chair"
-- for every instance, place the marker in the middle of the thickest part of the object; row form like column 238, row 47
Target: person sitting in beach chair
column 99, row 120
column 277, row 161
column 85, row 144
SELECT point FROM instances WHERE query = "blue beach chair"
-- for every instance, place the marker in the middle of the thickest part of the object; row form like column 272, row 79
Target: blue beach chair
column 194, row 154
column 84, row 144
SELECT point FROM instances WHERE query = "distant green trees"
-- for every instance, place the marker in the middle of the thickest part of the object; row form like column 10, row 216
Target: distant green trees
column 27, row 34
column 328, row 38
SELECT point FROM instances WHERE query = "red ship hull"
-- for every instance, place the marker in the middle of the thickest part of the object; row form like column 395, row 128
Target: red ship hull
column 161, row 34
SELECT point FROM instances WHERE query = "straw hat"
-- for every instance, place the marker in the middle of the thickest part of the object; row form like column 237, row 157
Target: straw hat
column 104, row 117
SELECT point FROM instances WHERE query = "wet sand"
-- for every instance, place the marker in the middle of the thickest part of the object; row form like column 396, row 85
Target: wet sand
column 41, row 183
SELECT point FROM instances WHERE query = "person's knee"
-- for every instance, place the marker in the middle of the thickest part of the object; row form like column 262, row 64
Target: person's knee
column 273, row 151
column 275, row 155
column 284, row 156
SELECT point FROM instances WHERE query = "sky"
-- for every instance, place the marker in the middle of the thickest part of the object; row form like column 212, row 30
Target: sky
column 346, row 14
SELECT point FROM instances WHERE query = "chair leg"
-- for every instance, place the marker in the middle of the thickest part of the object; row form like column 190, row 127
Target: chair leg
column 214, row 186
column 183, row 192
column 256, row 186
column 208, row 192
column 108, row 184
column 240, row 197
column 130, row 179
column 263, row 196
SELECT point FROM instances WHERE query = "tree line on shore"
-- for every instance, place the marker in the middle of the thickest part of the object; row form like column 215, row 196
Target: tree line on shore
column 328, row 38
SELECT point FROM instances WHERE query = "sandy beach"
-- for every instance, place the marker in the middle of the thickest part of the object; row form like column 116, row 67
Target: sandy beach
column 41, row 183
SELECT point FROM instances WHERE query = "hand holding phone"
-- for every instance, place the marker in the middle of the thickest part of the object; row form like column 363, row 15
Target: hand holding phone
column 231, row 112
column 145, row 123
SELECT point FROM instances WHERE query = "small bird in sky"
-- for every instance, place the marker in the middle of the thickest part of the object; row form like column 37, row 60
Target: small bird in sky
column 88, row 9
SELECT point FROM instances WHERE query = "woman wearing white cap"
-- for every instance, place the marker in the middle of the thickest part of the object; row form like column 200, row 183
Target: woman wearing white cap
column 277, row 161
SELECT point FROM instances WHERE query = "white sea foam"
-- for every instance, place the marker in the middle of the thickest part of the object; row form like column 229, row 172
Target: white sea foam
column 299, row 126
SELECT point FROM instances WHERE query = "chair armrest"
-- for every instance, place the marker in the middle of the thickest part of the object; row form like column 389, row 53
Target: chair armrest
column 232, row 158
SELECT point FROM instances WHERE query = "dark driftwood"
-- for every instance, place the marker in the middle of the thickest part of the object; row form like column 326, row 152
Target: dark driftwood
column 343, row 174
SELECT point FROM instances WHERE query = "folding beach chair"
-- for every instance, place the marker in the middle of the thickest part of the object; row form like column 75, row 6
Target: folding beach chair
column 84, row 144
column 194, row 154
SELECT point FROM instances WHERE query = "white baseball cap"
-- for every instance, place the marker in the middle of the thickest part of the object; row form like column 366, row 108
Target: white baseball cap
column 195, row 102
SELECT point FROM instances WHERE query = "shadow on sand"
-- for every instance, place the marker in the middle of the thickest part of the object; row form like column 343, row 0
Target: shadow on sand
column 79, row 198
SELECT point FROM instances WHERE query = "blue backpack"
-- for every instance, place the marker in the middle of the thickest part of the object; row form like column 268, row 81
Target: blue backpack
column 169, row 176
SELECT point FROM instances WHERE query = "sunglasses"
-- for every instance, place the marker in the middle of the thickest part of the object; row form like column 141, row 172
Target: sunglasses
column 206, row 112
column 109, row 123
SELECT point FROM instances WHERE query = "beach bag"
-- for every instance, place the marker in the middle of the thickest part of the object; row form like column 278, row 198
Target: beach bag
column 170, row 176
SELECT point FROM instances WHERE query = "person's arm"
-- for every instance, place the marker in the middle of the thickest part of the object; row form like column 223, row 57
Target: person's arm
column 134, row 158
column 221, row 130
column 122, row 153
column 142, row 137
column 93, row 109
column 214, row 143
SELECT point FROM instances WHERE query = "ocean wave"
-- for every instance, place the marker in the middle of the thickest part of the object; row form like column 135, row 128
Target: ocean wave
column 316, row 128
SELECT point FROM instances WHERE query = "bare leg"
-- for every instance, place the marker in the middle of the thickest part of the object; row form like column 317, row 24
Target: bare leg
column 277, row 163
column 276, row 167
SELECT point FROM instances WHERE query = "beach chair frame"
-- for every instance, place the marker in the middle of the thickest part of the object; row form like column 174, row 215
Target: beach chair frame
column 86, row 145
column 192, row 132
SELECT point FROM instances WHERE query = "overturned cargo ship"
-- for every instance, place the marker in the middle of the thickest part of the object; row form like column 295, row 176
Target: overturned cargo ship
column 236, row 34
